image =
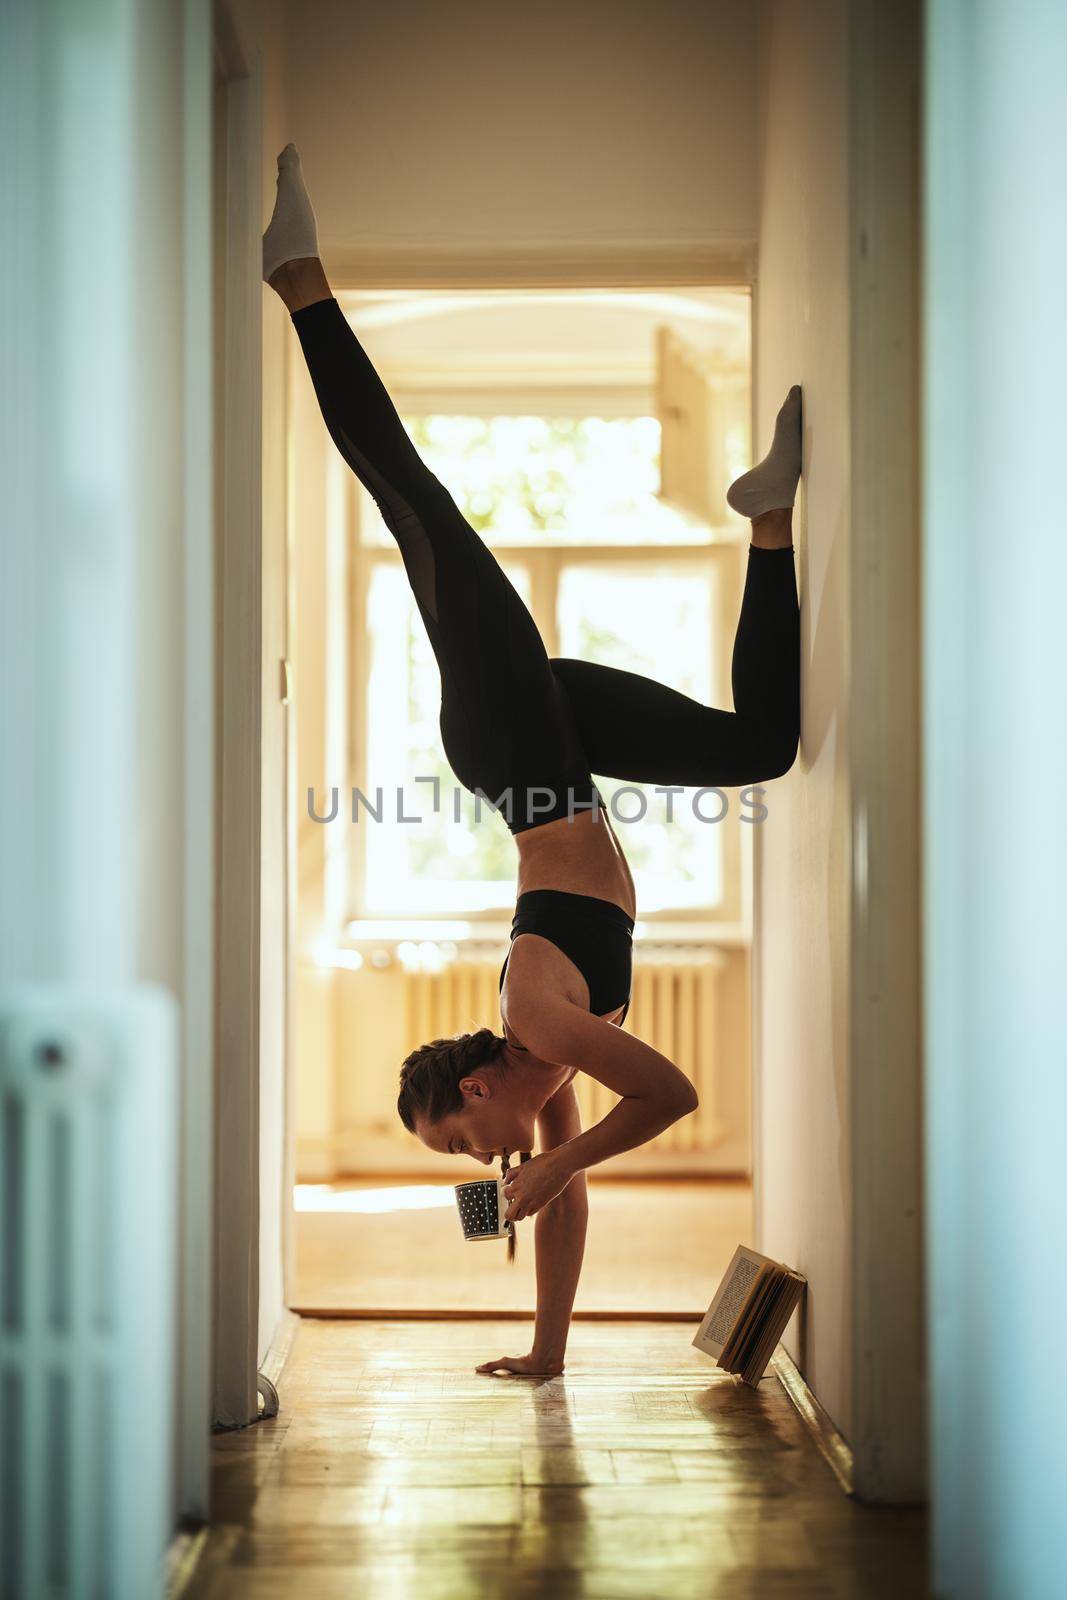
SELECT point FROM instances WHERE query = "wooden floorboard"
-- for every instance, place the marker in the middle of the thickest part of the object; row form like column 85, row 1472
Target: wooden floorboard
column 393, row 1469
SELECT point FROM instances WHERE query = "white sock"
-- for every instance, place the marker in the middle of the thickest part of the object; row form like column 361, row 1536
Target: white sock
column 291, row 232
column 773, row 483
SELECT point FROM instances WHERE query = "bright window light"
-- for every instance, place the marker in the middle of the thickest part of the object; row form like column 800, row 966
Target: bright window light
column 569, row 477
column 412, row 1197
column 657, row 623
column 536, row 483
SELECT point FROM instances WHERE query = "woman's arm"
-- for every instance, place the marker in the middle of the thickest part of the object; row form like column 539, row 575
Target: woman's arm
column 654, row 1094
column 559, row 1246
column 559, row 1234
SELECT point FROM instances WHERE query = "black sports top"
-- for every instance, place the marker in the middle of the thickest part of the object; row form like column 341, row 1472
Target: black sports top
column 596, row 935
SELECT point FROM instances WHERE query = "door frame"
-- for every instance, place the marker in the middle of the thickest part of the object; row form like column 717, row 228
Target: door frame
column 198, row 955
column 239, row 745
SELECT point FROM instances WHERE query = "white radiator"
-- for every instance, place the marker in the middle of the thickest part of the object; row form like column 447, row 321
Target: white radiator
column 673, row 1007
column 88, row 1125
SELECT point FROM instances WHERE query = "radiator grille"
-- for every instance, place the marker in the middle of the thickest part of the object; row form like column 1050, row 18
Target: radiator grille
column 88, row 1114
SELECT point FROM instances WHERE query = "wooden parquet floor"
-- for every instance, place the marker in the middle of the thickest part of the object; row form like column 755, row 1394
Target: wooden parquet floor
column 642, row 1473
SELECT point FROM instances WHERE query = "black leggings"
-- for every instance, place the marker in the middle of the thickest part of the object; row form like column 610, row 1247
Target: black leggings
column 524, row 731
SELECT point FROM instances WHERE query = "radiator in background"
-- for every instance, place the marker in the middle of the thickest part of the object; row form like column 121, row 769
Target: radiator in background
column 673, row 1007
column 88, row 1244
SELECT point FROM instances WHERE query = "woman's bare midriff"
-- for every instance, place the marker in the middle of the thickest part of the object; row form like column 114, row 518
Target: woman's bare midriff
column 579, row 856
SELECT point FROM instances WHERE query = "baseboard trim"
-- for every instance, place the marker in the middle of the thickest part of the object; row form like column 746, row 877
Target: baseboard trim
column 392, row 1314
column 183, row 1559
column 831, row 1445
column 676, row 1175
column 186, row 1548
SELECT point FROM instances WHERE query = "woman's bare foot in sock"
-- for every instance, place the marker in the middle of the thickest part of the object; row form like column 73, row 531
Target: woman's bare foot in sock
column 300, row 283
column 771, row 485
column 291, row 262
column 773, row 530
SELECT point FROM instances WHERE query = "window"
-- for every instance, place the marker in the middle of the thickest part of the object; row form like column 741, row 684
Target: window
column 610, row 574
column 442, row 864
column 658, row 621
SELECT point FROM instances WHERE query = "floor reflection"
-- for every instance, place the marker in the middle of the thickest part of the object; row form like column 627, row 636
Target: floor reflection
column 395, row 1469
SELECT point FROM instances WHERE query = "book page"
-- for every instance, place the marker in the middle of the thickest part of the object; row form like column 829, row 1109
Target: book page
column 748, row 1324
column 778, row 1314
column 750, row 1318
column 731, row 1297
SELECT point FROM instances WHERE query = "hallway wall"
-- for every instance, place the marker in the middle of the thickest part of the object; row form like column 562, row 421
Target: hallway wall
column 802, row 869
column 837, row 979
column 449, row 132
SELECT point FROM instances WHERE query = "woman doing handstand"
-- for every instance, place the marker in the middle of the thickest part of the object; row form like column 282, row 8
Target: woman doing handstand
column 528, row 732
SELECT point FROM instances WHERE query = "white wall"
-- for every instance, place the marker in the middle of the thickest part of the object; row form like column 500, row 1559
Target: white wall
column 432, row 130
column 802, row 867
column 995, row 577
column 837, row 925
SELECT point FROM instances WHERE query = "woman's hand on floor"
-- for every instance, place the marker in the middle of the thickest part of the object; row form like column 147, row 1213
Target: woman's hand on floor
column 529, row 1188
column 531, row 1366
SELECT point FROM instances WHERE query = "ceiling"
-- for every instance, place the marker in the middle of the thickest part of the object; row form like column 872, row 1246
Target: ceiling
column 531, row 338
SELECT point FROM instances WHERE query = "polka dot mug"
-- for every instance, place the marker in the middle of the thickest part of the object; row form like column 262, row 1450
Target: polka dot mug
column 482, row 1204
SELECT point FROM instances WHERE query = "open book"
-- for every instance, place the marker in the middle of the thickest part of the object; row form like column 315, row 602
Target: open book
column 747, row 1317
